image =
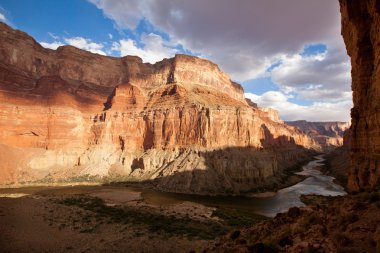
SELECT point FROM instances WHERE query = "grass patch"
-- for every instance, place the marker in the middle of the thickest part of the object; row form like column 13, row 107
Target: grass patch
column 321, row 201
column 154, row 221
column 235, row 218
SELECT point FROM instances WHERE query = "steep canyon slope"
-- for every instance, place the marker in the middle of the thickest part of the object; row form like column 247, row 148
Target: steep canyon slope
column 328, row 134
column 70, row 115
column 360, row 30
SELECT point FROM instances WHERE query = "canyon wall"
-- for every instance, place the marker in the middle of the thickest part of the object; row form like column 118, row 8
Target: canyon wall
column 69, row 115
column 361, row 33
column 328, row 134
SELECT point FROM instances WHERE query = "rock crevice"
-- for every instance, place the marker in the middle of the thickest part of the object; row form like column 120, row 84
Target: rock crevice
column 181, row 122
column 360, row 30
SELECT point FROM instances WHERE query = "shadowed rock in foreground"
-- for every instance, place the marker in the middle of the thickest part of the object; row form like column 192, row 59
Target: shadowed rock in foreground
column 318, row 228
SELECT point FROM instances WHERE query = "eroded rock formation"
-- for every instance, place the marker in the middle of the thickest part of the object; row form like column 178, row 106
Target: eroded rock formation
column 328, row 134
column 360, row 30
column 70, row 115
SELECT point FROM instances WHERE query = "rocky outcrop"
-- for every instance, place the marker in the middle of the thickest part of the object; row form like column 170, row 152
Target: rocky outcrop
column 338, row 161
column 328, row 134
column 345, row 224
column 360, row 30
column 70, row 115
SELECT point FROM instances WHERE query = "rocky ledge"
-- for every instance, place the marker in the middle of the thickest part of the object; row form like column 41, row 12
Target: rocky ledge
column 69, row 115
column 315, row 228
column 329, row 135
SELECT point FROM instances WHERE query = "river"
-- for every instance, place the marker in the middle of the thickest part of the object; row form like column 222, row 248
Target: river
column 315, row 183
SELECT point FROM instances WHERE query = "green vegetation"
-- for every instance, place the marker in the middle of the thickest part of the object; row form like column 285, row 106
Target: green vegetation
column 345, row 220
column 321, row 201
column 237, row 218
column 106, row 180
column 154, row 221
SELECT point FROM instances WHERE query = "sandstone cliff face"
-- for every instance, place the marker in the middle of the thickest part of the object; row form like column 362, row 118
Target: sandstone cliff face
column 360, row 30
column 328, row 134
column 71, row 115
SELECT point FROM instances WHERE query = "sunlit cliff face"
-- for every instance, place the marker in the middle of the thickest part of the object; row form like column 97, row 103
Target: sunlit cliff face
column 70, row 113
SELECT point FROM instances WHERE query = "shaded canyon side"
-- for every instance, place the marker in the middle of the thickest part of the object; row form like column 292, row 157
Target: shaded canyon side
column 329, row 135
column 69, row 115
column 360, row 30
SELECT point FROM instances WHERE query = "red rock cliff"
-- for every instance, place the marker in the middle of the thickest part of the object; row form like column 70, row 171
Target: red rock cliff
column 328, row 134
column 360, row 30
column 70, row 114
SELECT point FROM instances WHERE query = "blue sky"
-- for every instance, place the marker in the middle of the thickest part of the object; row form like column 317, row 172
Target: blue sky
column 60, row 17
column 300, row 69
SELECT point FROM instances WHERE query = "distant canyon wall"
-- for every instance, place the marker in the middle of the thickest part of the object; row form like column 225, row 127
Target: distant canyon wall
column 329, row 135
column 69, row 115
column 360, row 30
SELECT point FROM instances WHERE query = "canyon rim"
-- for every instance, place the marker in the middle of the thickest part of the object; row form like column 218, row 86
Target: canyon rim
column 69, row 115
column 103, row 153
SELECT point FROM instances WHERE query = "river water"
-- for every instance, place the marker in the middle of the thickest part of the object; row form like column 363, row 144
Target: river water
column 315, row 183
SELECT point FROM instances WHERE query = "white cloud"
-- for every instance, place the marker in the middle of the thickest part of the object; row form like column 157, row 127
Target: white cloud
column 128, row 13
column 53, row 36
column 245, row 38
column 86, row 44
column 318, row 111
column 153, row 50
column 79, row 42
column 110, row 36
column 320, row 77
column 53, row 45
column 3, row 18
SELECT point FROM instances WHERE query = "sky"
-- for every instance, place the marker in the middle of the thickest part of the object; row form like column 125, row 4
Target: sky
column 287, row 54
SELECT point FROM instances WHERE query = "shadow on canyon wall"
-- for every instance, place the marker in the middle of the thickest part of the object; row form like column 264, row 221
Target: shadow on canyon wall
column 232, row 170
column 49, row 88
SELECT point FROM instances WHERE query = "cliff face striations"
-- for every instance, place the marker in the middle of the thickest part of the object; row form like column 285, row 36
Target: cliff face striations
column 68, row 115
column 360, row 29
column 328, row 134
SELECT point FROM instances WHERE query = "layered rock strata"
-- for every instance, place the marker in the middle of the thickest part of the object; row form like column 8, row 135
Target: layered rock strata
column 328, row 134
column 360, row 30
column 70, row 115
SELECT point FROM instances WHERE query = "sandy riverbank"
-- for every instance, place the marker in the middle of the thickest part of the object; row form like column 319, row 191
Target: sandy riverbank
column 105, row 219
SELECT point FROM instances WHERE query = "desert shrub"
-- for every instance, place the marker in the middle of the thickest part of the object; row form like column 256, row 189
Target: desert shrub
column 263, row 247
column 309, row 249
column 324, row 230
column 345, row 220
column 150, row 219
column 359, row 205
column 369, row 197
column 373, row 197
column 342, row 239
column 311, row 219
column 352, row 217
column 235, row 234
column 237, row 218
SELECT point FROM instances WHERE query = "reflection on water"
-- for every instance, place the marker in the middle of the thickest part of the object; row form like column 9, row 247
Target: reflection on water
column 316, row 183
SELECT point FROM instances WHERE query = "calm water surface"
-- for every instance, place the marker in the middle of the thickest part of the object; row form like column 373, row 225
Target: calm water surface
column 315, row 183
